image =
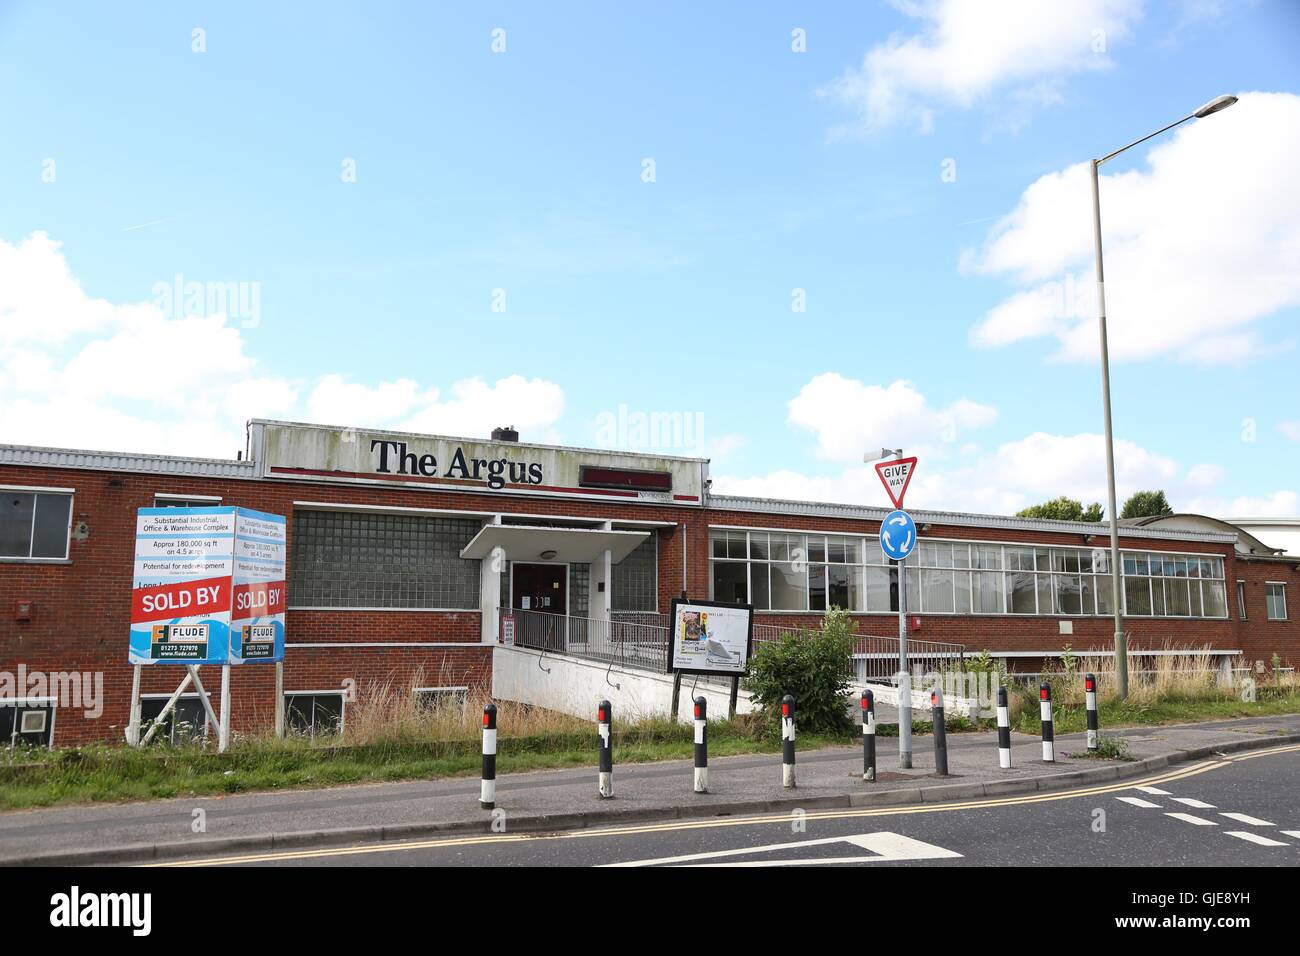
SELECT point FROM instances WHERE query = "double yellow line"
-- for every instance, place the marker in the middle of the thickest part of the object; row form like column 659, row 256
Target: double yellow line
column 714, row 822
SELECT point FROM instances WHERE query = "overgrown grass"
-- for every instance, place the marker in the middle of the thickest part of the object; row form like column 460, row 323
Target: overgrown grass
column 1181, row 687
column 388, row 737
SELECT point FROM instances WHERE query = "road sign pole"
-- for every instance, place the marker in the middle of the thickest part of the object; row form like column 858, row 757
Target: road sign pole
column 904, row 676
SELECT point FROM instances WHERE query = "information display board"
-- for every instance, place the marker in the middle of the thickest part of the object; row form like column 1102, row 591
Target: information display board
column 257, row 619
column 208, row 586
column 710, row 638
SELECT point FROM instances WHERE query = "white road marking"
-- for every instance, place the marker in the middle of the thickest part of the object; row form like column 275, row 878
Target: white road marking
column 1137, row 802
column 1244, row 818
column 1156, row 790
column 1189, row 818
column 1198, row 804
column 1292, row 833
column 1254, row 838
column 886, row 847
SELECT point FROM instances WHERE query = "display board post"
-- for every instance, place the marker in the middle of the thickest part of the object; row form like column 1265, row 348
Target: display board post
column 203, row 696
column 279, row 700
column 735, row 693
column 133, row 721
column 677, row 695
column 167, row 709
column 223, row 734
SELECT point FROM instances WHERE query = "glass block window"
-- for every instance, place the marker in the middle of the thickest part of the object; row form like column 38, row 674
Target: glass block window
column 579, row 589
column 345, row 559
column 636, row 579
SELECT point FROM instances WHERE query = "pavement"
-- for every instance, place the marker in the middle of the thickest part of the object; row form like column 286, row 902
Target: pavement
column 566, row 800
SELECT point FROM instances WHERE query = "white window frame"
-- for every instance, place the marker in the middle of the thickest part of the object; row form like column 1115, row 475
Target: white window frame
column 19, row 702
column 192, row 695
column 459, row 689
column 338, row 692
column 67, row 534
column 1241, row 599
column 208, row 500
column 1281, row 585
column 915, row 568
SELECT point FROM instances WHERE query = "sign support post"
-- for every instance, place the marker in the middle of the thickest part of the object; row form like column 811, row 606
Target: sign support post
column 223, row 733
column 897, row 539
column 133, row 724
column 279, row 700
column 203, row 695
column 904, row 675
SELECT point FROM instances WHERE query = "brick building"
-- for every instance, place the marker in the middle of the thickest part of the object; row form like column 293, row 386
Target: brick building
column 403, row 550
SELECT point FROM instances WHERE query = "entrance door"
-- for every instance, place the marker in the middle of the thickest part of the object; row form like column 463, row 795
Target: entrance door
column 540, row 587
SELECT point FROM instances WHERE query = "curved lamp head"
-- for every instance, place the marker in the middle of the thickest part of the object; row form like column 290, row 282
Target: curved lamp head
column 1216, row 104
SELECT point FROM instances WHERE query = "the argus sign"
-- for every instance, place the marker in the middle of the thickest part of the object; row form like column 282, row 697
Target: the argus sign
column 710, row 638
column 208, row 586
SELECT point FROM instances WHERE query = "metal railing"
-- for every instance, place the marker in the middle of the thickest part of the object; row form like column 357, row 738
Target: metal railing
column 875, row 658
column 623, row 642
column 640, row 639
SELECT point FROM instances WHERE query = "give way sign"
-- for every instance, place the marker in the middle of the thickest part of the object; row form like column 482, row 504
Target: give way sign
column 895, row 476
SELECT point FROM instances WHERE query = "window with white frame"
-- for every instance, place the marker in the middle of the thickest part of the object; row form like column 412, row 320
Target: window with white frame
column 1241, row 600
column 1275, row 600
column 431, row 698
column 186, row 501
column 784, row 571
column 27, row 722
column 185, row 723
column 34, row 523
column 314, row 712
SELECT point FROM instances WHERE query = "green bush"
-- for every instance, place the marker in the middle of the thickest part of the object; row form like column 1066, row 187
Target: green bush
column 812, row 666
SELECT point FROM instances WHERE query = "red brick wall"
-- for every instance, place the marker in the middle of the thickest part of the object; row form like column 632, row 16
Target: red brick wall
column 1257, row 636
column 82, row 607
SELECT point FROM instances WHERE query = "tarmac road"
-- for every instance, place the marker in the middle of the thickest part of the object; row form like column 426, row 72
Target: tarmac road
column 1237, row 810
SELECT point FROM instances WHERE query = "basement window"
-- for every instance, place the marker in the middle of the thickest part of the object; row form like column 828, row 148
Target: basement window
column 430, row 698
column 314, row 713
column 27, row 722
column 187, row 722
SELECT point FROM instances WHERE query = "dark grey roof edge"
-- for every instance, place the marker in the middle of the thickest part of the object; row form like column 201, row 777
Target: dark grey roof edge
column 819, row 509
column 36, row 456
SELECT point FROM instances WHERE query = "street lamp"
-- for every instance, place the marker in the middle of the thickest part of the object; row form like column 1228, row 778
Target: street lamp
column 1121, row 648
column 904, row 681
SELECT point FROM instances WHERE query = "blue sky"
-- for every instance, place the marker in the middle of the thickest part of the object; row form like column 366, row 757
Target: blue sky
column 879, row 171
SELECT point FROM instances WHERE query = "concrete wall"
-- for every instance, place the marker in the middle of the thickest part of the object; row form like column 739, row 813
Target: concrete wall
column 576, row 686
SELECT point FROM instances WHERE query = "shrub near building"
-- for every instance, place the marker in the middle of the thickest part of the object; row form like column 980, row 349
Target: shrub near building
column 812, row 666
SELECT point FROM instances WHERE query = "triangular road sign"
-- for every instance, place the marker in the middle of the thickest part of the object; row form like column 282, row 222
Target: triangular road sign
column 895, row 475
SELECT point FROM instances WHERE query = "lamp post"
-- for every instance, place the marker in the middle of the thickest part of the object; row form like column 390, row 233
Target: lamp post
column 904, row 682
column 1121, row 646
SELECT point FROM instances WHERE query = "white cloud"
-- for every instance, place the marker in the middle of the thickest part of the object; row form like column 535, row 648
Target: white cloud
column 962, row 52
column 1199, row 246
column 1290, row 429
column 850, row 417
column 87, row 373
column 474, row 408
column 1017, row 474
column 1280, row 504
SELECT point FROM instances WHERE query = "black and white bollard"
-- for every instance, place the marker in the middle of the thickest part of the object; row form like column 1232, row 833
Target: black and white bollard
column 604, row 721
column 787, row 741
column 701, row 745
column 940, row 733
column 487, row 795
column 1090, row 699
column 1045, row 714
column 868, row 735
column 1004, row 730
